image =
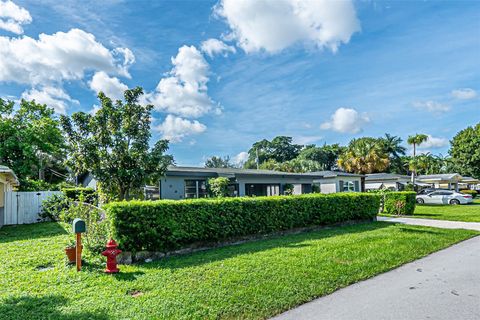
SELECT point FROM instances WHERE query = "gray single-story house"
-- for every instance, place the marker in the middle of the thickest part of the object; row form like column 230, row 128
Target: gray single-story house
column 390, row 181
column 191, row 182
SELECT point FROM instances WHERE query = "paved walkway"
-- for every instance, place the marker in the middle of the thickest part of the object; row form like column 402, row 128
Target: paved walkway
column 434, row 223
column 442, row 286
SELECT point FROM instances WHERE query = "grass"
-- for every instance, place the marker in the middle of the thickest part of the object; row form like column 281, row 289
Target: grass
column 254, row 280
column 467, row 213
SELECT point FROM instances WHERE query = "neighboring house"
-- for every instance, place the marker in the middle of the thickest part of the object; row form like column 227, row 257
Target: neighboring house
column 443, row 181
column 191, row 182
column 469, row 183
column 87, row 180
column 390, row 181
column 337, row 181
column 8, row 181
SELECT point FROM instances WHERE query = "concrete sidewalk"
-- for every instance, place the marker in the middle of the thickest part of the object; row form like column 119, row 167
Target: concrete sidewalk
column 434, row 223
column 442, row 286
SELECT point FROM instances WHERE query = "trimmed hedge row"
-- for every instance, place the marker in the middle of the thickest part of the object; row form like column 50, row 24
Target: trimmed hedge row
column 168, row 224
column 399, row 202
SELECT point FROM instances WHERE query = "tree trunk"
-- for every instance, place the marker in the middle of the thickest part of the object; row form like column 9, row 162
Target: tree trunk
column 414, row 171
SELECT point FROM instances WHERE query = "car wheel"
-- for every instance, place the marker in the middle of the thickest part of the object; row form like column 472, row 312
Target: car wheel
column 420, row 201
column 454, row 202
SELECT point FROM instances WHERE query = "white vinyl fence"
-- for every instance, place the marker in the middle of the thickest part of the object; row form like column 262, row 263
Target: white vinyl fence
column 24, row 207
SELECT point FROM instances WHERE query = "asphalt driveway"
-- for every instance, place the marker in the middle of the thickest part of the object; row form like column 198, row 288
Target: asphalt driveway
column 443, row 285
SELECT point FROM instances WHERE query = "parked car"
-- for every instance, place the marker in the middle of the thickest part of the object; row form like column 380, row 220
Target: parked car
column 444, row 197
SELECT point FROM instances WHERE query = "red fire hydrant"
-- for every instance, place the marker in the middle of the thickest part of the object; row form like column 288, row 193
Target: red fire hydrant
column 111, row 253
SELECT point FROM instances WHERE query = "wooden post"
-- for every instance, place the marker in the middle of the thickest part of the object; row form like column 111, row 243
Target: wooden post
column 78, row 249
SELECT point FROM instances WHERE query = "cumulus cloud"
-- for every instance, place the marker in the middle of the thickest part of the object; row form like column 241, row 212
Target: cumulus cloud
column 214, row 47
column 176, row 129
column 184, row 91
column 346, row 120
column 55, row 98
column 431, row 106
column 434, row 143
column 58, row 57
column 12, row 17
column 273, row 25
column 240, row 158
column 112, row 87
column 464, row 93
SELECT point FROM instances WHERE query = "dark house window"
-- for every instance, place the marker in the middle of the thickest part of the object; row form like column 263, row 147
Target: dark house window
column 195, row 189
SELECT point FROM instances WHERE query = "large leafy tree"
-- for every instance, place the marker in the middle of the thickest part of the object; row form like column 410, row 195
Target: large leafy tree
column 415, row 141
column 364, row 155
column 326, row 156
column 219, row 162
column 31, row 142
column 465, row 151
column 113, row 144
column 280, row 149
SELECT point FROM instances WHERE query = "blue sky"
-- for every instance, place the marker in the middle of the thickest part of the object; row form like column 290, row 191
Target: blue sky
column 400, row 67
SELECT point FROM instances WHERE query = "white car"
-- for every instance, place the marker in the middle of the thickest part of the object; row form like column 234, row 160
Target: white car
column 444, row 197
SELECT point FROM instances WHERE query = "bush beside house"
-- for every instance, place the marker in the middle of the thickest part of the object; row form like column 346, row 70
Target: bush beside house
column 168, row 225
column 400, row 203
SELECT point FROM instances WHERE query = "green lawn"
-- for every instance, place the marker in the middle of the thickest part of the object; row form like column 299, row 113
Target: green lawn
column 250, row 281
column 469, row 213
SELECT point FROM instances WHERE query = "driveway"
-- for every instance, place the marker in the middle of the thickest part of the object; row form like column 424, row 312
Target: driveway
column 443, row 285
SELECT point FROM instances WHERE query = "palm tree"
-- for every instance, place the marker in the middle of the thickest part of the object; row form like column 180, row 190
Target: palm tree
column 364, row 155
column 393, row 146
column 416, row 140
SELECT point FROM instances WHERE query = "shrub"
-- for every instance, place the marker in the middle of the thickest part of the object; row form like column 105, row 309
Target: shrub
column 167, row 224
column 53, row 207
column 288, row 189
column 473, row 193
column 218, row 187
column 87, row 195
column 392, row 199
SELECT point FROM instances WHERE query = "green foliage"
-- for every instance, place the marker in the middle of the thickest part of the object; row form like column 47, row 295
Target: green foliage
column 409, row 187
column 465, row 151
column 66, row 208
column 54, row 207
column 364, row 155
column 288, row 189
column 280, row 149
column 473, row 193
column 113, row 144
column 87, row 195
column 219, row 162
column 325, row 156
column 31, row 140
column 218, row 187
column 400, row 203
column 168, row 224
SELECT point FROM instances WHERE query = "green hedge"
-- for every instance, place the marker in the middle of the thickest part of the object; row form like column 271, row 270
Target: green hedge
column 401, row 202
column 89, row 195
column 473, row 193
column 168, row 224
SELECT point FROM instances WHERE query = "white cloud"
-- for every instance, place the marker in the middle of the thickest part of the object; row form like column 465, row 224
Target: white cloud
column 213, row 47
column 431, row 106
column 240, row 158
column 55, row 98
column 176, row 129
column 112, row 87
column 273, row 25
column 464, row 93
column 12, row 17
column 346, row 120
column 184, row 91
column 434, row 143
column 58, row 57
